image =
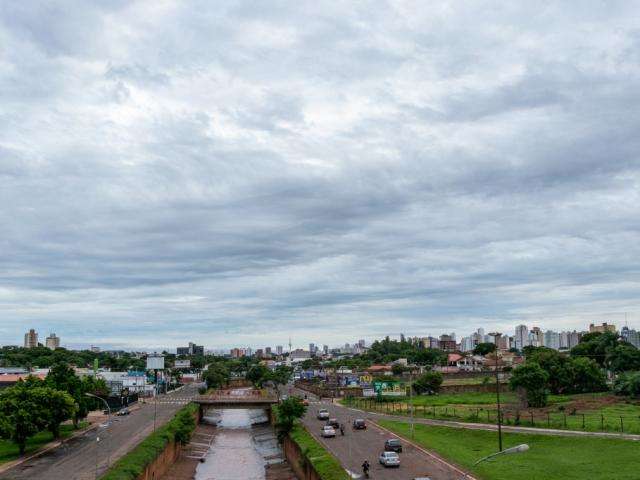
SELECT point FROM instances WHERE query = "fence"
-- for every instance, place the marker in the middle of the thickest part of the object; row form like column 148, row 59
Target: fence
column 574, row 420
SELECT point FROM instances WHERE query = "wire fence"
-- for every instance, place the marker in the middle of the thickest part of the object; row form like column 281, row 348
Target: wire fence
column 573, row 420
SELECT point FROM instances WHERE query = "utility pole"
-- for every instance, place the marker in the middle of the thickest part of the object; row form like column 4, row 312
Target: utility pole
column 411, row 400
column 496, row 336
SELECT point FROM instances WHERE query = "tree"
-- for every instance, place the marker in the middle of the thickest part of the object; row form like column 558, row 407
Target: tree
column 627, row 383
column 257, row 375
column 530, row 381
column 21, row 415
column 587, row 376
column 216, row 375
column 428, row 383
column 484, row 348
column 596, row 346
column 623, row 358
column 398, row 369
column 56, row 407
column 287, row 412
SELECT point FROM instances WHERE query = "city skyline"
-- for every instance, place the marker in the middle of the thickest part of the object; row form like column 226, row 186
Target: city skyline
column 315, row 170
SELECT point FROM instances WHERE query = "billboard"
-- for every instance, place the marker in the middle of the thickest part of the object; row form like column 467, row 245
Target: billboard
column 155, row 362
column 389, row 388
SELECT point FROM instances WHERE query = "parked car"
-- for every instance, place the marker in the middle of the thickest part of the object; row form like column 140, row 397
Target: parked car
column 393, row 445
column 359, row 424
column 123, row 411
column 323, row 414
column 389, row 459
column 328, row 431
column 333, row 422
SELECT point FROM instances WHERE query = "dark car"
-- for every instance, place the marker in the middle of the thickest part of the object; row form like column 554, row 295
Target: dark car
column 333, row 422
column 393, row 445
column 359, row 424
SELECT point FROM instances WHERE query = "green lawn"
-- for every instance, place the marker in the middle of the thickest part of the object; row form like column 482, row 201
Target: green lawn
column 9, row 450
column 325, row 464
column 549, row 457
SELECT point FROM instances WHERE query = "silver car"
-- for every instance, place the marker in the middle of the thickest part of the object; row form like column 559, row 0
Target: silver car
column 389, row 459
column 328, row 432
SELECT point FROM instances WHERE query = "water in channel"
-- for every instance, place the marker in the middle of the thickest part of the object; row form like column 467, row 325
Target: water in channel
column 244, row 442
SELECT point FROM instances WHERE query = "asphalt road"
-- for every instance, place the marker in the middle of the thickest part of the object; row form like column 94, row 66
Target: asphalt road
column 357, row 445
column 77, row 458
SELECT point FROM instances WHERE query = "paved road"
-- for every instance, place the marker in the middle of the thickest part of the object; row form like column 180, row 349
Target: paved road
column 77, row 459
column 356, row 446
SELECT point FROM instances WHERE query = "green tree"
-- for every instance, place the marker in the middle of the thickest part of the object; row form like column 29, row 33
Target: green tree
column 484, row 348
column 216, row 375
column 56, row 407
column 287, row 412
column 622, row 358
column 21, row 414
column 530, row 381
column 627, row 383
column 257, row 375
column 587, row 376
column 428, row 382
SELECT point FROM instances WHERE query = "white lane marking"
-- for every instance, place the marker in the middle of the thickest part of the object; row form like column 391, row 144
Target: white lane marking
column 426, row 452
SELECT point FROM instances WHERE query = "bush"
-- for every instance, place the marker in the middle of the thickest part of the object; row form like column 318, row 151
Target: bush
column 428, row 383
column 627, row 384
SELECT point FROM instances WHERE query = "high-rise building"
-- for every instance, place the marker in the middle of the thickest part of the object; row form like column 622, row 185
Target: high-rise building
column 279, row 350
column 362, row 343
column 31, row 339
column 631, row 336
column 467, row 344
column 522, row 336
column 325, row 349
column 267, row 351
column 312, row 349
column 52, row 341
column 552, row 339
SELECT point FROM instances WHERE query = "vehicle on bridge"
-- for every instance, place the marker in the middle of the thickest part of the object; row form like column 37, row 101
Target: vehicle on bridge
column 359, row 424
column 393, row 445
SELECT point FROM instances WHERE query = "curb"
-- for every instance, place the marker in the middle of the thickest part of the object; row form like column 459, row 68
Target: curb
column 438, row 458
column 46, row 448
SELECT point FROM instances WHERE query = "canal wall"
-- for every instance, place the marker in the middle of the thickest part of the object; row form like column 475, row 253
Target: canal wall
column 298, row 462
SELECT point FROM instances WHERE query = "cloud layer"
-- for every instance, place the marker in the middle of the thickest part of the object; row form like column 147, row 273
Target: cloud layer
column 238, row 174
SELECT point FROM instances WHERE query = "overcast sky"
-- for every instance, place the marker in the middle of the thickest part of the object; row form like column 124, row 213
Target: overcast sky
column 235, row 173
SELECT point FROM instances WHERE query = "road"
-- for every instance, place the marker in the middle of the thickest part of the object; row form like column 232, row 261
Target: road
column 356, row 446
column 77, row 458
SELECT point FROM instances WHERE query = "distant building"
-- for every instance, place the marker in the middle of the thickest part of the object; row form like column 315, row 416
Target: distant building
column 31, row 339
column 279, row 350
column 192, row 349
column 522, row 336
column 631, row 336
column 447, row 343
column 299, row 355
column 182, row 364
column 95, row 349
column 552, row 339
column 605, row 327
column 52, row 341
column 267, row 351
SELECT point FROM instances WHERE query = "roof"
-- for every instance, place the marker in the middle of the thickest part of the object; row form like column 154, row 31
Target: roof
column 13, row 378
column 379, row 368
column 454, row 357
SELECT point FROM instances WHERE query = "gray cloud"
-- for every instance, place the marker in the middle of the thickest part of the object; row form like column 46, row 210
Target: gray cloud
column 244, row 173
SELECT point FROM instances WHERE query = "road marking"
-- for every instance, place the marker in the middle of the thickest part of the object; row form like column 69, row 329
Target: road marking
column 426, row 452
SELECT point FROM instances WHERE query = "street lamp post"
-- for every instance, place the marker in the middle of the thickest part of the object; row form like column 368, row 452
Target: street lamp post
column 108, row 424
column 496, row 336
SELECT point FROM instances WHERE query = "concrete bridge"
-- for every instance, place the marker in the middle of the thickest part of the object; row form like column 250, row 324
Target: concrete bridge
column 238, row 399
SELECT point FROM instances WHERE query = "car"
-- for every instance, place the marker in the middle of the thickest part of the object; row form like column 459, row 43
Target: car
column 359, row 424
column 123, row 411
column 333, row 422
column 393, row 445
column 328, row 431
column 323, row 414
column 389, row 459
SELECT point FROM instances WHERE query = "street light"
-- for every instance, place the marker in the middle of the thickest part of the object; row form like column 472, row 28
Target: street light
column 517, row 449
column 108, row 424
column 496, row 336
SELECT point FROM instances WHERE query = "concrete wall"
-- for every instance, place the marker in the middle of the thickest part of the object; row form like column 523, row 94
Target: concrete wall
column 298, row 463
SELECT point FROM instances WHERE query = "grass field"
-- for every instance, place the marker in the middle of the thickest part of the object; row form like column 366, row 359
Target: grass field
column 589, row 412
column 9, row 450
column 549, row 458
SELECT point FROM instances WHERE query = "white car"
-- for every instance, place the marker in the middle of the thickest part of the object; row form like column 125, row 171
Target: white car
column 323, row 414
column 389, row 459
column 328, row 431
